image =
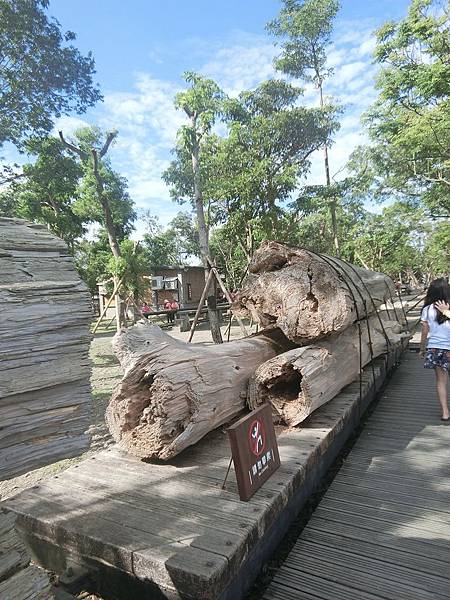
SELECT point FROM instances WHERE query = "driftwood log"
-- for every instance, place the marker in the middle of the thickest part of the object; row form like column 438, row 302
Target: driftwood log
column 45, row 397
column 300, row 380
column 306, row 295
column 174, row 393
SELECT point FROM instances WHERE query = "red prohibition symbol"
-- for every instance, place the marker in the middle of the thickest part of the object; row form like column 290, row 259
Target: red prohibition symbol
column 257, row 437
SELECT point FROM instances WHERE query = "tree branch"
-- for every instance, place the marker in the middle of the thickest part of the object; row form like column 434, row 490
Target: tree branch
column 106, row 145
column 71, row 147
column 12, row 178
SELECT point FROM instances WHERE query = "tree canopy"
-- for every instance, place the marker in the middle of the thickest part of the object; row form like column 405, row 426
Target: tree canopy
column 409, row 124
column 42, row 74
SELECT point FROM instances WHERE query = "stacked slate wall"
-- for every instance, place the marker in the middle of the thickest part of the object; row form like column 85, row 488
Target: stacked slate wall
column 45, row 312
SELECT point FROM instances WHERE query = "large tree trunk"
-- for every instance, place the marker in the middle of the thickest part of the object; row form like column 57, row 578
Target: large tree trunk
column 306, row 295
column 203, row 233
column 174, row 393
column 297, row 382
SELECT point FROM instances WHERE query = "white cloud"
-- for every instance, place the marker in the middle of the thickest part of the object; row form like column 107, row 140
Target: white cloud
column 68, row 125
column 348, row 72
column 148, row 122
column 149, row 109
column 242, row 66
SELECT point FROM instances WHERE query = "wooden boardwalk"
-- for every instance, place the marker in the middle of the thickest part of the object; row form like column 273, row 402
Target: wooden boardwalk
column 382, row 529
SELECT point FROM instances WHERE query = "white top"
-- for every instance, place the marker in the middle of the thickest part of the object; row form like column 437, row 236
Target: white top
column 439, row 334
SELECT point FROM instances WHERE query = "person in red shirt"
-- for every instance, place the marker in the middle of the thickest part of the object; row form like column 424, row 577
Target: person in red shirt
column 174, row 306
column 170, row 310
column 145, row 310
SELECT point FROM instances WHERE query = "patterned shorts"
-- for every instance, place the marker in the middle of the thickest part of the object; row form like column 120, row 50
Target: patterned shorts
column 435, row 357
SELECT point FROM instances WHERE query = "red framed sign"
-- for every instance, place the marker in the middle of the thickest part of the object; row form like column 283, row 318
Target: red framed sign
column 254, row 449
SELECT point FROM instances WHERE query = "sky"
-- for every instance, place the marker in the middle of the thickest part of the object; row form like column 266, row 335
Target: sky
column 142, row 47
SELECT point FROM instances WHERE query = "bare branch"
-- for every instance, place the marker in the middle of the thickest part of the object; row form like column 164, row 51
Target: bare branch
column 71, row 147
column 106, row 145
column 12, row 178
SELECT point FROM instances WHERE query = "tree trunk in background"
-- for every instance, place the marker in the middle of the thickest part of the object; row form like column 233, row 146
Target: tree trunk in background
column 203, row 237
column 333, row 203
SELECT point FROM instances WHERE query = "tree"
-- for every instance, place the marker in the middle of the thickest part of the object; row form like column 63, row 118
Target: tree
column 248, row 176
column 103, row 192
column 202, row 103
column 392, row 242
column 437, row 251
column 108, row 189
column 42, row 75
column 257, row 167
column 305, row 26
column 409, row 124
column 92, row 261
column 173, row 245
column 47, row 190
column 314, row 227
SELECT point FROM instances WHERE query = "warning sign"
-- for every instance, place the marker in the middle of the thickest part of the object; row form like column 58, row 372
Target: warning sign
column 257, row 437
column 254, row 449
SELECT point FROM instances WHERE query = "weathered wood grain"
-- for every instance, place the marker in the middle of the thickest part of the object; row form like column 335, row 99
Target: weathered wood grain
column 174, row 393
column 300, row 380
column 308, row 296
column 18, row 580
column 44, row 342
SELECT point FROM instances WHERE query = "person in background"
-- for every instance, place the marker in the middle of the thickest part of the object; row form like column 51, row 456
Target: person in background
column 145, row 310
column 167, row 307
column 435, row 339
column 174, row 306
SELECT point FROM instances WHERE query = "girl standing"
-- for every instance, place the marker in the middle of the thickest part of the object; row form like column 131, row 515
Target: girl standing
column 435, row 339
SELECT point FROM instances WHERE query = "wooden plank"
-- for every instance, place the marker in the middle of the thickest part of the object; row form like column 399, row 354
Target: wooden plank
column 326, row 540
column 317, row 587
column 357, row 491
column 30, row 584
column 386, row 503
column 383, row 526
column 437, row 525
column 314, row 555
column 365, row 574
column 399, row 487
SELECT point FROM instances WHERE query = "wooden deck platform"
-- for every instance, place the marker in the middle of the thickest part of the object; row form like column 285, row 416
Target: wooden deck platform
column 382, row 530
column 170, row 530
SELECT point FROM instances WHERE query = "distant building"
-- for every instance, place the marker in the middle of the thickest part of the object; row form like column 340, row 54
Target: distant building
column 183, row 284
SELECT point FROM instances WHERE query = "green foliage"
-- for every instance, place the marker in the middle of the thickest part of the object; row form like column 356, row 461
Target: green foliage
column 260, row 163
column 437, row 251
column 115, row 190
column 201, row 102
column 179, row 175
column 92, row 261
column 175, row 244
column 42, row 75
column 409, row 125
column 392, row 242
column 115, row 187
column 185, row 231
column 47, row 191
column 305, row 27
column 314, row 229
column 133, row 265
